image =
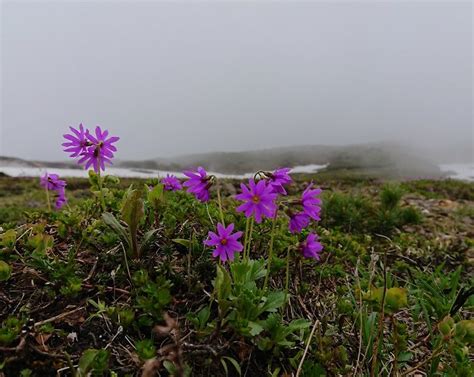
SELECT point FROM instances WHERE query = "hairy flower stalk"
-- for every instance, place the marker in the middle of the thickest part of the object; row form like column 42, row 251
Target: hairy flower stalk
column 270, row 252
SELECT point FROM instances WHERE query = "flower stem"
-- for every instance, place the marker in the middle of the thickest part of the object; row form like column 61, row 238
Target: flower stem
column 270, row 251
column 47, row 198
column 101, row 193
column 249, row 238
column 219, row 201
column 287, row 277
column 247, row 224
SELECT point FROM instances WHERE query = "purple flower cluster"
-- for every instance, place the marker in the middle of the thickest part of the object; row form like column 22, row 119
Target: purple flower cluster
column 198, row 184
column 278, row 179
column 52, row 183
column 311, row 247
column 171, row 183
column 92, row 150
column 310, row 210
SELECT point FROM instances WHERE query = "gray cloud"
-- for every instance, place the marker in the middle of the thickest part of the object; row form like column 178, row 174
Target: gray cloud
column 174, row 78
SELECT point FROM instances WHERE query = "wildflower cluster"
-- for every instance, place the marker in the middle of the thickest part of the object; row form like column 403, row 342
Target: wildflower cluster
column 92, row 150
column 260, row 200
column 52, row 184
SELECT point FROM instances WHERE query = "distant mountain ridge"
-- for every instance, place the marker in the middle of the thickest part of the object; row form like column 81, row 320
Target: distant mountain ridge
column 389, row 158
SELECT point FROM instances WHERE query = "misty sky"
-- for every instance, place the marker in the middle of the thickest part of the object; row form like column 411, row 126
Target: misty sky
column 175, row 78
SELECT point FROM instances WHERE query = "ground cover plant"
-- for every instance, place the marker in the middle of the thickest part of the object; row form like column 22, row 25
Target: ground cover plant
column 279, row 275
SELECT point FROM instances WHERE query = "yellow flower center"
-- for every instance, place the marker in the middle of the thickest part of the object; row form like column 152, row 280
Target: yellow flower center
column 223, row 242
column 256, row 199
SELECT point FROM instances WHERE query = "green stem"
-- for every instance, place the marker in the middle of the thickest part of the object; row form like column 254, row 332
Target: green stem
column 219, row 201
column 270, row 252
column 101, row 193
column 247, row 224
column 47, row 197
column 249, row 238
column 287, row 277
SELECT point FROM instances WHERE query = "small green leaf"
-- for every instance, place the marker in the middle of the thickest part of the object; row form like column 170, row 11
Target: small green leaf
column 183, row 242
column 111, row 221
column 396, row 298
column 234, row 363
column 5, row 271
column 255, row 328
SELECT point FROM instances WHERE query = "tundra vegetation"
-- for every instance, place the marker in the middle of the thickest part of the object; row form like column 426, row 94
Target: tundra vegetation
column 280, row 275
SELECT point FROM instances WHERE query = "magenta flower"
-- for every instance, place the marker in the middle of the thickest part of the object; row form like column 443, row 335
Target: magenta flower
column 100, row 151
column 52, row 182
column 171, row 183
column 198, row 183
column 259, row 200
column 76, row 141
column 61, row 199
column 226, row 243
column 311, row 247
column 278, row 179
column 311, row 204
column 298, row 222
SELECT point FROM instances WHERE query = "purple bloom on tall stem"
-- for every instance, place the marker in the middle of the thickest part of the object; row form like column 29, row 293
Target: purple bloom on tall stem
column 298, row 222
column 52, row 182
column 278, row 179
column 259, row 200
column 198, row 183
column 171, row 183
column 77, row 142
column 311, row 247
column 311, row 204
column 101, row 150
column 226, row 243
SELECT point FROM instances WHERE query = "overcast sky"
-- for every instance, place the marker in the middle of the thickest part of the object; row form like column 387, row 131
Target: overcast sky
column 174, row 78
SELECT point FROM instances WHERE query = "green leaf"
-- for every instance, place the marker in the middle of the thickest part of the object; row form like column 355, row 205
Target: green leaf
column 5, row 271
column 156, row 195
column 93, row 360
column 234, row 363
column 112, row 222
column 183, row 242
column 255, row 328
column 273, row 301
column 8, row 239
column 132, row 209
column 147, row 238
column 222, row 283
column 396, row 298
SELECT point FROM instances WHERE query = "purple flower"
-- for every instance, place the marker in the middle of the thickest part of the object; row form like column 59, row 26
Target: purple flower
column 311, row 204
column 171, row 183
column 259, row 200
column 311, row 247
column 198, row 183
column 100, row 151
column 52, row 182
column 278, row 179
column 76, row 141
column 61, row 199
column 298, row 222
column 226, row 243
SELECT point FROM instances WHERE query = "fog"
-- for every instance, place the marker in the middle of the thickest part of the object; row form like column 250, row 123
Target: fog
column 178, row 78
